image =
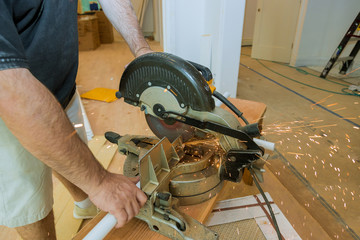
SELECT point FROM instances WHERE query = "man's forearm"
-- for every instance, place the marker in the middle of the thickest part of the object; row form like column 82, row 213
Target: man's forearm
column 122, row 16
column 35, row 117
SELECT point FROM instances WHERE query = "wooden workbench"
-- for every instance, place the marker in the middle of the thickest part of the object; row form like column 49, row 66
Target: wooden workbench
column 136, row 229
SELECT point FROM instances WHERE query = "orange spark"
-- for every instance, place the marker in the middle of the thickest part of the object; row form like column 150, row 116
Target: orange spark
column 339, row 109
column 295, row 153
column 321, row 101
column 333, row 104
column 332, row 125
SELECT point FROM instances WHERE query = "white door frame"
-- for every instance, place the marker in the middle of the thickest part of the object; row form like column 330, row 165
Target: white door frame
column 208, row 32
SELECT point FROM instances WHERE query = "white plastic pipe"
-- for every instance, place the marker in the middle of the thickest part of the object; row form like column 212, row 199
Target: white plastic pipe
column 89, row 132
column 265, row 144
column 102, row 229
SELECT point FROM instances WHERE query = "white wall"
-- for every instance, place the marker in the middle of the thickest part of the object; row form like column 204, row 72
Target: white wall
column 322, row 25
column 249, row 22
column 207, row 32
column 148, row 23
column 158, row 23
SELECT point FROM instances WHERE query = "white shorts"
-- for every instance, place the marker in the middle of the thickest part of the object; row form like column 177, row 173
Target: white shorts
column 26, row 191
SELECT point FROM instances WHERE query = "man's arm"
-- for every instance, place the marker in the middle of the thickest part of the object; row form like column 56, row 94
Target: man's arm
column 36, row 118
column 121, row 14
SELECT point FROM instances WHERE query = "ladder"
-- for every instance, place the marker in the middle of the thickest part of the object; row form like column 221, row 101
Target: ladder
column 347, row 61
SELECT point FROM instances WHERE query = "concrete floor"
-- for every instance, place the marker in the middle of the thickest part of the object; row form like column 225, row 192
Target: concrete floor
column 317, row 132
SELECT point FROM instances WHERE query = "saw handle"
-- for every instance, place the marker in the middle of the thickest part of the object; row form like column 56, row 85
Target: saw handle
column 112, row 137
column 205, row 72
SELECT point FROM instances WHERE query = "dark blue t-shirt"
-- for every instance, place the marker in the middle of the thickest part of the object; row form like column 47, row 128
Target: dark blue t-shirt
column 41, row 35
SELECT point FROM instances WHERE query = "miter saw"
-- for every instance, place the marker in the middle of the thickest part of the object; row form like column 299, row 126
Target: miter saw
column 197, row 145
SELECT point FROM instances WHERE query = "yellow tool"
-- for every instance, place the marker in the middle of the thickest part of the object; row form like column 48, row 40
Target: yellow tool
column 101, row 94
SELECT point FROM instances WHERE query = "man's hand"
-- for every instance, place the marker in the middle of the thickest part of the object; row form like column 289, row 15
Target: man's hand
column 119, row 196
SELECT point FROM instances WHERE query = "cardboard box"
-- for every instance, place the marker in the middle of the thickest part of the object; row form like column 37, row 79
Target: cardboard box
column 105, row 27
column 88, row 32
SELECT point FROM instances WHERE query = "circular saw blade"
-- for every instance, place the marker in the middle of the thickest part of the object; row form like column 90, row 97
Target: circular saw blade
column 170, row 131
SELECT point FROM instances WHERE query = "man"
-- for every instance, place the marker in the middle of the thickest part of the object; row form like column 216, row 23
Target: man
column 38, row 65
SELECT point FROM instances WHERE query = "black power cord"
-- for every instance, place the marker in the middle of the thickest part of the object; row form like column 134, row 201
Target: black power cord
column 230, row 105
column 267, row 203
